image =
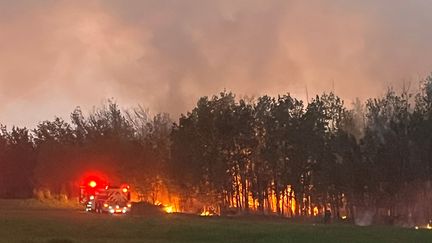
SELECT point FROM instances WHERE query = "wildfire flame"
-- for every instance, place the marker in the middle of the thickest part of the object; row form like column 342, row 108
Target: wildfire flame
column 428, row 226
column 169, row 209
column 315, row 211
column 206, row 213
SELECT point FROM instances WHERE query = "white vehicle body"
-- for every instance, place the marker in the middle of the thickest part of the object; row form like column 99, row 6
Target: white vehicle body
column 110, row 200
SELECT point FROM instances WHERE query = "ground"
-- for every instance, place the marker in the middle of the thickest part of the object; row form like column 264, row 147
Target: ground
column 21, row 221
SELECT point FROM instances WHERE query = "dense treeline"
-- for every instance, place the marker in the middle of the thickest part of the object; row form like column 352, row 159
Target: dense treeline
column 265, row 155
column 51, row 159
column 272, row 155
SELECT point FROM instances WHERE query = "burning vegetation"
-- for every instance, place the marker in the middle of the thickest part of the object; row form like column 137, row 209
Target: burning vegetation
column 228, row 156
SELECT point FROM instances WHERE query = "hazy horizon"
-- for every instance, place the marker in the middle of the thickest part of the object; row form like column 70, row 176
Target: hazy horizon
column 57, row 55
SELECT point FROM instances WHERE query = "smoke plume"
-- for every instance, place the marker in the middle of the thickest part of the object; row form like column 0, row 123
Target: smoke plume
column 56, row 55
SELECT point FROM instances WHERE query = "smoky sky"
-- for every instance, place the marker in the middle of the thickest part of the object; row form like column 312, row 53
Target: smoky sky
column 56, row 55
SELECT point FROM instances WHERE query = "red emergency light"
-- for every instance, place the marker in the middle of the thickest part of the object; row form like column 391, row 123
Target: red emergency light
column 92, row 184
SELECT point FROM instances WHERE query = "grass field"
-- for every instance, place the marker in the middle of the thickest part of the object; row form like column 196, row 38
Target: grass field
column 24, row 222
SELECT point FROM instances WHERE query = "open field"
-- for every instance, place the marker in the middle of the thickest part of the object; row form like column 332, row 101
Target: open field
column 24, row 222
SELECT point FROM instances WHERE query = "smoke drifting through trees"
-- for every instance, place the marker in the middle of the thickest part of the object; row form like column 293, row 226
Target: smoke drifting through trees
column 270, row 155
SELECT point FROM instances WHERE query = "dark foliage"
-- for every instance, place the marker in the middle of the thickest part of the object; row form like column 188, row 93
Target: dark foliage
column 241, row 153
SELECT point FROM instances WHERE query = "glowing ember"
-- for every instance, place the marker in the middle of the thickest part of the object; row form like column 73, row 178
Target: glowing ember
column 428, row 226
column 344, row 217
column 206, row 213
column 209, row 211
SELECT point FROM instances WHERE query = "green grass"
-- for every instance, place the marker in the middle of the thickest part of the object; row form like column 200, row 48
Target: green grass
column 37, row 224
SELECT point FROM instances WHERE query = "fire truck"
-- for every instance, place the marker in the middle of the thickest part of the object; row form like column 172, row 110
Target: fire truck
column 100, row 197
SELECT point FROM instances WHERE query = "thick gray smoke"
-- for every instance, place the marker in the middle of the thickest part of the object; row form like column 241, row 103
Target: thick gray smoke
column 164, row 54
